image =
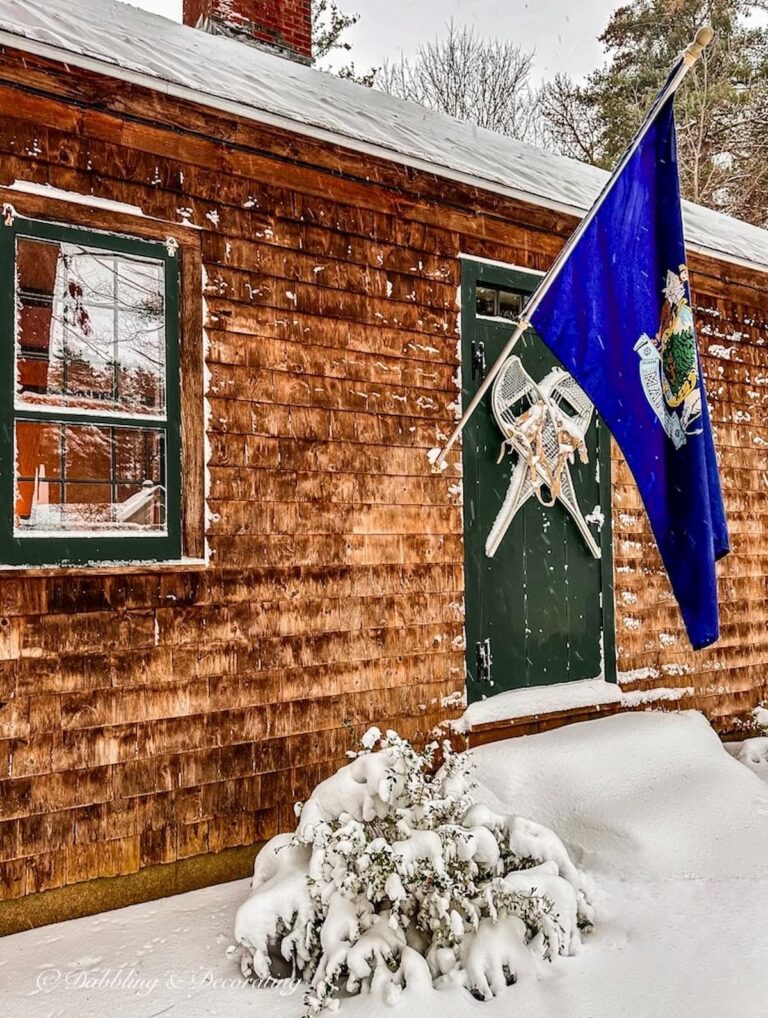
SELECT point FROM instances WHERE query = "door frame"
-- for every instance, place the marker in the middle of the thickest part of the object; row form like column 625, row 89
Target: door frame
column 474, row 271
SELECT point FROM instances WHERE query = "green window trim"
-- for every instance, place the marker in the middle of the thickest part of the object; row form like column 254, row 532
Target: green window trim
column 62, row 549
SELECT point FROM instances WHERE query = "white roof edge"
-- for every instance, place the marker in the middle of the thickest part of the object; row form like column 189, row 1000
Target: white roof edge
column 199, row 96
column 726, row 256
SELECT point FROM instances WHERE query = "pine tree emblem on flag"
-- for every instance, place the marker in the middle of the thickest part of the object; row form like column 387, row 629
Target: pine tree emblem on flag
column 669, row 364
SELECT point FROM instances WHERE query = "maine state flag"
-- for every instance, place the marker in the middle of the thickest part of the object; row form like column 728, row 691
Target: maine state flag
column 618, row 315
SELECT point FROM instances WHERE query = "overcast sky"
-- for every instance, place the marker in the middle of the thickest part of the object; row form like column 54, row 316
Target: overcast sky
column 563, row 33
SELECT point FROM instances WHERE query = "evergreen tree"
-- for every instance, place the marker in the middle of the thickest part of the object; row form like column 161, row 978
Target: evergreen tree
column 722, row 107
column 329, row 24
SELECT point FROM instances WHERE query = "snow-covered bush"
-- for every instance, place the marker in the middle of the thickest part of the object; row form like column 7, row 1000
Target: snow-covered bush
column 395, row 878
column 760, row 714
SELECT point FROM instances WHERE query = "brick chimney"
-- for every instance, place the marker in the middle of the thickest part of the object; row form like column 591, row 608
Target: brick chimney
column 280, row 26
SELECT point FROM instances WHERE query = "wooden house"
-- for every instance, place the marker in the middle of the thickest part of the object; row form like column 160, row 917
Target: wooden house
column 240, row 301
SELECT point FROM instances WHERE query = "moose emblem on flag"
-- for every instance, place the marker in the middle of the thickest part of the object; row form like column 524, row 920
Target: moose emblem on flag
column 669, row 369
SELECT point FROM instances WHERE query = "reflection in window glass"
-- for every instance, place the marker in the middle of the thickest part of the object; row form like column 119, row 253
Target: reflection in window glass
column 90, row 327
column 485, row 298
column 83, row 477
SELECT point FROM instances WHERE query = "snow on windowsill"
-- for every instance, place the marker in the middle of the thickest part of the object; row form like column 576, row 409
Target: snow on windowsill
column 108, row 568
column 92, row 201
column 86, row 533
column 49, row 191
column 561, row 696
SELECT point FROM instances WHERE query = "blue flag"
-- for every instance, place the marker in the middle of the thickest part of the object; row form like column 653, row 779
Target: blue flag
column 619, row 318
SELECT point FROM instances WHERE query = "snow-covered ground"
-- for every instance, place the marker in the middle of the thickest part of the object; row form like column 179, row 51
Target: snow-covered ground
column 673, row 829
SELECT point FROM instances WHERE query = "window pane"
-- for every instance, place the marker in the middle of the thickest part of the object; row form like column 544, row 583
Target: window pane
column 510, row 304
column 89, row 478
column 485, row 298
column 91, row 328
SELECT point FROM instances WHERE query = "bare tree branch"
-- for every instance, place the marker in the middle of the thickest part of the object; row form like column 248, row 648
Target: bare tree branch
column 484, row 82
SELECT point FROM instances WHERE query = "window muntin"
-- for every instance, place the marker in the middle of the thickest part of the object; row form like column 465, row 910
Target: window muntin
column 92, row 427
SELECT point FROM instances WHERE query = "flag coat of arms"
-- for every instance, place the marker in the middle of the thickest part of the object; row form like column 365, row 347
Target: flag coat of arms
column 618, row 315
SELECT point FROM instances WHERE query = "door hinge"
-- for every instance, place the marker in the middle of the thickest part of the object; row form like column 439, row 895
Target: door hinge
column 483, row 661
column 478, row 360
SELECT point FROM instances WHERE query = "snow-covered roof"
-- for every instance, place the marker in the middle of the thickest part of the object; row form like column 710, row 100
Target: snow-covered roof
column 132, row 44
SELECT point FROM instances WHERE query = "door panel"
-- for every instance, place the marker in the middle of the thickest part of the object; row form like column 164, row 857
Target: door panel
column 543, row 605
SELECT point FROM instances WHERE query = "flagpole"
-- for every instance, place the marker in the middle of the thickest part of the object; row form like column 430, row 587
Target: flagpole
column 690, row 55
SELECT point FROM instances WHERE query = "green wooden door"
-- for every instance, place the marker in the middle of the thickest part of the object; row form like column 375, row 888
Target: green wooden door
column 541, row 610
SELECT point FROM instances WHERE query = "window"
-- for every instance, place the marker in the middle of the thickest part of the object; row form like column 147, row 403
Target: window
column 495, row 302
column 90, row 435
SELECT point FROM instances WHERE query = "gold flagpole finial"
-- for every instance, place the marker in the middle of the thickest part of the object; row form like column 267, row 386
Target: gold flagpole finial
column 694, row 49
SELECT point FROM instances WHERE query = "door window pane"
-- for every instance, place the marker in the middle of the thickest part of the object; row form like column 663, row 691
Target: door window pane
column 89, row 478
column 510, row 304
column 493, row 302
column 90, row 328
column 485, row 298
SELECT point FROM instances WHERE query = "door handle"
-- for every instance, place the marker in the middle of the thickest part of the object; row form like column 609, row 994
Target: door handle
column 478, row 360
column 483, row 661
